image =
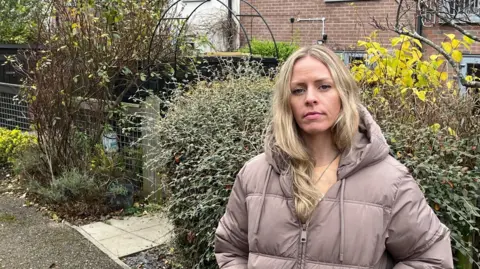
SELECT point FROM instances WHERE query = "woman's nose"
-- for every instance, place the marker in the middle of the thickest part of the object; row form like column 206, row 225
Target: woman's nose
column 311, row 97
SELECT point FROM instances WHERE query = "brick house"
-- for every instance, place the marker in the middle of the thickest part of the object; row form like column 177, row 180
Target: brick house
column 345, row 22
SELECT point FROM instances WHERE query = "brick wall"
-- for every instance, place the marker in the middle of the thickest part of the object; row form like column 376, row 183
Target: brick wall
column 345, row 24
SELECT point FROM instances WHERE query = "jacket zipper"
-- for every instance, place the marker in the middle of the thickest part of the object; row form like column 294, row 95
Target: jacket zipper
column 303, row 239
column 303, row 242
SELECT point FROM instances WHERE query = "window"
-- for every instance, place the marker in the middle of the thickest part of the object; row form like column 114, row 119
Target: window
column 462, row 6
column 352, row 57
column 463, row 10
column 470, row 66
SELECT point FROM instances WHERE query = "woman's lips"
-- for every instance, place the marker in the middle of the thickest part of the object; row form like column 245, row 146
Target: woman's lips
column 313, row 115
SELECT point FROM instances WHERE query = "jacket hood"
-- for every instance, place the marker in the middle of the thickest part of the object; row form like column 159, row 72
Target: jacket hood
column 369, row 147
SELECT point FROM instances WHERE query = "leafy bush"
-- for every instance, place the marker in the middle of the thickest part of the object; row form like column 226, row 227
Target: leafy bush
column 29, row 164
column 430, row 127
column 448, row 171
column 18, row 19
column 76, row 193
column 105, row 186
column 12, row 144
column 266, row 48
column 199, row 147
column 109, row 41
column 403, row 65
column 70, row 187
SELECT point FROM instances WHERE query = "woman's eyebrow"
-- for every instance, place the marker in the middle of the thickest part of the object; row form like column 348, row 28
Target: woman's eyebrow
column 303, row 84
column 298, row 84
column 324, row 80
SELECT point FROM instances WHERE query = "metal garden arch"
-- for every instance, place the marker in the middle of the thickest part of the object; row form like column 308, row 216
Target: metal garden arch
column 190, row 15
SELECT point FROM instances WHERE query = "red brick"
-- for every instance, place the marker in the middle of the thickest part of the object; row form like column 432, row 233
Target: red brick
column 346, row 22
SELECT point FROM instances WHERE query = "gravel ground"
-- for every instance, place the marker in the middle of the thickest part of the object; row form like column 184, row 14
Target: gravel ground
column 28, row 239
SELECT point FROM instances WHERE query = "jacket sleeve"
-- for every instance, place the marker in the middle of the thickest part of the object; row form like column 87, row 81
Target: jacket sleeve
column 416, row 237
column 231, row 236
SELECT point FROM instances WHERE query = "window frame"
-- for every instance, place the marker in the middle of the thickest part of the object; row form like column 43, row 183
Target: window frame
column 346, row 56
column 467, row 59
column 472, row 17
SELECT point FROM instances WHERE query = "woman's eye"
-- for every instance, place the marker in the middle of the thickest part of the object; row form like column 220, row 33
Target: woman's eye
column 298, row 91
column 325, row 87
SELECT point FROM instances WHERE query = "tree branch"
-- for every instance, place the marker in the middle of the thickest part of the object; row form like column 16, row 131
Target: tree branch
column 451, row 22
column 397, row 22
column 463, row 31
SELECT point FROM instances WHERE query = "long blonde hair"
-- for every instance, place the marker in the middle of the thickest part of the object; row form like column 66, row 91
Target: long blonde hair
column 286, row 133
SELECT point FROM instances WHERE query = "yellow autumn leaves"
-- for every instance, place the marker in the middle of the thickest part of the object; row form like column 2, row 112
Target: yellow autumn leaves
column 405, row 68
column 453, row 46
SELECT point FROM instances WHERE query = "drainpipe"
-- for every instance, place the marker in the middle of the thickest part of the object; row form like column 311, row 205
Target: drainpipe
column 419, row 29
column 230, row 24
column 230, row 6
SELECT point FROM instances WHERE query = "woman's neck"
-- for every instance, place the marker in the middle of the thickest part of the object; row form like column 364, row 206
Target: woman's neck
column 321, row 147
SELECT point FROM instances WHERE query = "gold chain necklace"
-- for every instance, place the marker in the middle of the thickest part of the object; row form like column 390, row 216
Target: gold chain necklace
column 336, row 156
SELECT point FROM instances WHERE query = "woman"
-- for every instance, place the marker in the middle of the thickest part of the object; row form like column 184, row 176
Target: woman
column 326, row 193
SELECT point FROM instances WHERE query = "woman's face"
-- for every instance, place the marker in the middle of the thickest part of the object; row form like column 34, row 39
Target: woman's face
column 314, row 99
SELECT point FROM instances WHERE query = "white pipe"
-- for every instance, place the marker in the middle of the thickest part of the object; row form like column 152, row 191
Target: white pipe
column 322, row 19
column 311, row 19
column 323, row 26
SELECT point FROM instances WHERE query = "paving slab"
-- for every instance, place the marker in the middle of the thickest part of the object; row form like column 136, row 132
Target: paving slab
column 158, row 234
column 100, row 230
column 123, row 237
column 131, row 224
column 126, row 244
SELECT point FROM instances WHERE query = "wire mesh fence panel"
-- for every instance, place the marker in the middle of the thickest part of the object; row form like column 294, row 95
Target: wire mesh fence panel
column 13, row 111
column 126, row 135
column 14, row 114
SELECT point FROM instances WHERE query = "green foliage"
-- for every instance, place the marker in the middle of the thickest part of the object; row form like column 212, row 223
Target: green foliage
column 107, row 166
column 29, row 163
column 100, row 48
column 17, row 20
column 12, row 144
column 266, row 48
column 94, row 190
column 109, row 42
column 448, row 170
column 70, row 187
column 433, row 130
column 206, row 137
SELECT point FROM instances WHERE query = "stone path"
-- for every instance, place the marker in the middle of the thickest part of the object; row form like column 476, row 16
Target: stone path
column 120, row 238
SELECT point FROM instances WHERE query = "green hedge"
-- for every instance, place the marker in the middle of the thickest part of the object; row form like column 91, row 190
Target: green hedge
column 266, row 48
column 206, row 137
column 12, row 144
column 448, row 170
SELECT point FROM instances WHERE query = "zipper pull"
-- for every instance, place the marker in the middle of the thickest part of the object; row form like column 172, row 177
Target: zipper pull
column 303, row 237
